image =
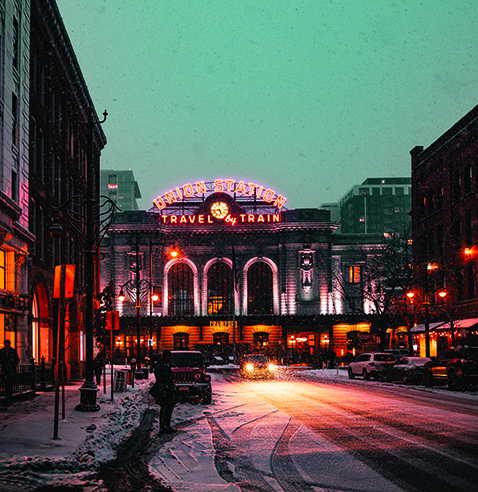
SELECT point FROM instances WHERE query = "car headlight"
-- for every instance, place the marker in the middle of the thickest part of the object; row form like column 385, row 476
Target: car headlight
column 272, row 367
column 249, row 367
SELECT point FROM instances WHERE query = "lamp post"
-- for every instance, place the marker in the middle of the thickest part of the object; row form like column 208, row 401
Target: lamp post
column 96, row 223
column 140, row 287
column 410, row 295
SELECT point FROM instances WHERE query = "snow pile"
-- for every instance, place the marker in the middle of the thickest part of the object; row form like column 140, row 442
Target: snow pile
column 99, row 446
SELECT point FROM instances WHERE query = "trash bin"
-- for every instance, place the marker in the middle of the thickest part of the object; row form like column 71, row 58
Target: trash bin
column 145, row 372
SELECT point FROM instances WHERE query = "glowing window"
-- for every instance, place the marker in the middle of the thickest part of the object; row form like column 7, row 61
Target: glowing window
column 354, row 274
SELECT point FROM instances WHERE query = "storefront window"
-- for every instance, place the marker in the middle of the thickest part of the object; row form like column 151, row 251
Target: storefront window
column 260, row 339
column 220, row 338
column 181, row 341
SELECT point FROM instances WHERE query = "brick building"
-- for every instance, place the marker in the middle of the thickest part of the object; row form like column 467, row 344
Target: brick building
column 444, row 224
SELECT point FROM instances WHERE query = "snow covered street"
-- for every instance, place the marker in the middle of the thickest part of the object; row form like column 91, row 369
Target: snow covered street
column 249, row 437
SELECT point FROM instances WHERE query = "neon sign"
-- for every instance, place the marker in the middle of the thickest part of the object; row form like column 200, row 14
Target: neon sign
column 202, row 219
column 198, row 188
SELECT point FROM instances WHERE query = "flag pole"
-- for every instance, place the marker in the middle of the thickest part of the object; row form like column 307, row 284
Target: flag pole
column 234, row 281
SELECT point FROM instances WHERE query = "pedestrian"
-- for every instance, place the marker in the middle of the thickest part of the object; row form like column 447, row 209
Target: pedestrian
column 98, row 366
column 8, row 361
column 166, row 392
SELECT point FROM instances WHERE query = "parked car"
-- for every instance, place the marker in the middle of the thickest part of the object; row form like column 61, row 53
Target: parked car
column 401, row 352
column 190, row 378
column 370, row 365
column 457, row 367
column 257, row 366
column 407, row 370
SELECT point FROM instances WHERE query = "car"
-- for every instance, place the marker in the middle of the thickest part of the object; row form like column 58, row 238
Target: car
column 458, row 367
column 407, row 370
column 400, row 352
column 370, row 365
column 190, row 378
column 256, row 366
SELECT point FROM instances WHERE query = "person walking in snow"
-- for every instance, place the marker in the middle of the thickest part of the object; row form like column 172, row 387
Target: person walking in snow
column 98, row 366
column 9, row 361
column 166, row 391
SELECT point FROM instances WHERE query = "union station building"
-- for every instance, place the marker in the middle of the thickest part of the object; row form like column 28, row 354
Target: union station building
column 234, row 271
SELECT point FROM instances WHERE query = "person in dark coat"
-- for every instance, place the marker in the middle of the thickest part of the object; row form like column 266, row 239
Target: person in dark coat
column 165, row 382
column 98, row 366
column 8, row 361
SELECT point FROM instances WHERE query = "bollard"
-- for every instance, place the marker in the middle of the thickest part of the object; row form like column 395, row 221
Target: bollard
column 32, row 365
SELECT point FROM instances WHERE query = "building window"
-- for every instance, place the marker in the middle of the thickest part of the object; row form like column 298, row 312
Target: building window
column 468, row 178
column 14, row 186
column 14, row 120
column 181, row 341
column 260, row 339
column 354, row 274
column 16, row 43
column 3, row 275
column 458, row 233
column 180, row 288
column 457, row 186
column 470, row 280
column 431, row 201
column 259, row 285
column 439, row 197
column 469, row 228
column 220, row 289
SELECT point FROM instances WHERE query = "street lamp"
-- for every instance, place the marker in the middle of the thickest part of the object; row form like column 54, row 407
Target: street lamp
column 140, row 287
column 97, row 224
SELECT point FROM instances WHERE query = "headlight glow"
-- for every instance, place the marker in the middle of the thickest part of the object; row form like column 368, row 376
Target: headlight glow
column 249, row 367
column 272, row 367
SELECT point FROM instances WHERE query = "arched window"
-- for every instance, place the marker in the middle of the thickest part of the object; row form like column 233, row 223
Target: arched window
column 180, row 289
column 259, row 286
column 181, row 341
column 219, row 289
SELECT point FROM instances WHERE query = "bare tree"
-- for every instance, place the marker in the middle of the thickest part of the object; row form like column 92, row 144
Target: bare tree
column 373, row 279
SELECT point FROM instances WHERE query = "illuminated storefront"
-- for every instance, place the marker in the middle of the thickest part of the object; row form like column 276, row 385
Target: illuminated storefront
column 234, row 269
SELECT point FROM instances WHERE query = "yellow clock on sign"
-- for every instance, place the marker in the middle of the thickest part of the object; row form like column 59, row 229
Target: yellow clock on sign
column 219, row 210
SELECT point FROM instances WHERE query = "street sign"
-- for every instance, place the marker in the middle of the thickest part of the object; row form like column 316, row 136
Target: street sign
column 64, row 276
column 112, row 320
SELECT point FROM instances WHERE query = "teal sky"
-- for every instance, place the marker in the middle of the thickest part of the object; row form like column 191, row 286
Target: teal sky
column 307, row 97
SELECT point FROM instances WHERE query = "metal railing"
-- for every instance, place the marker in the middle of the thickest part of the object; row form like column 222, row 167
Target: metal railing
column 30, row 378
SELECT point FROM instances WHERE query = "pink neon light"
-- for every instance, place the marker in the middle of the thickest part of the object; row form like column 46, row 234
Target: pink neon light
column 189, row 190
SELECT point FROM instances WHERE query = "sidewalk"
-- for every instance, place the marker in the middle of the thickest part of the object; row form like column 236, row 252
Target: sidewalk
column 27, row 427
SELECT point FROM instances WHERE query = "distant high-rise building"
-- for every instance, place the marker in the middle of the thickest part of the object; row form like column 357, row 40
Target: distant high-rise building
column 121, row 187
column 378, row 205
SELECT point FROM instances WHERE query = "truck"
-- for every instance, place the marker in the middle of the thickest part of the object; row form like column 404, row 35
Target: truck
column 190, row 378
column 458, row 367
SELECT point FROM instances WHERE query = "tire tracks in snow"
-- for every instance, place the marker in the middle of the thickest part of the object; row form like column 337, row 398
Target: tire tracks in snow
column 233, row 463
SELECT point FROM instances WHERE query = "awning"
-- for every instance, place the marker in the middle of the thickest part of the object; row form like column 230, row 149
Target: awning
column 460, row 323
column 432, row 326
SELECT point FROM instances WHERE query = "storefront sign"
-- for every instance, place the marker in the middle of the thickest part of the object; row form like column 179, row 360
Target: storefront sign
column 199, row 188
column 220, row 324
